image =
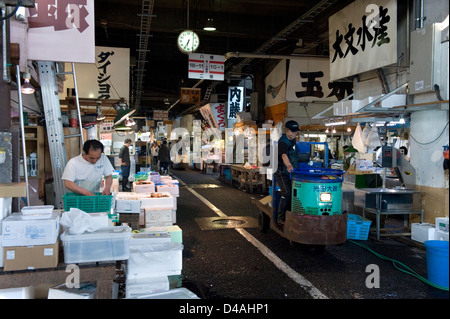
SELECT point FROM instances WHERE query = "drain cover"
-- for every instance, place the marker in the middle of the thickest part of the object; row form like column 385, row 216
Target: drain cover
column 212, row 223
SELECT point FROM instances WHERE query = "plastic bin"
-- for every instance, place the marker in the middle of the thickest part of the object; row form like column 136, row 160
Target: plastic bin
column 88, row 204
column 437, row 261
column 106, row 244
column 357, row 227
column 178, row 293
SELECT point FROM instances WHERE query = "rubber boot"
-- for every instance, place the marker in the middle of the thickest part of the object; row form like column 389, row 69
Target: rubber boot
column 125, row 185
column 281, row 215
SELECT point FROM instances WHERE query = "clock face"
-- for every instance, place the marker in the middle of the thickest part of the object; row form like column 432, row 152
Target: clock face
column 188, row 41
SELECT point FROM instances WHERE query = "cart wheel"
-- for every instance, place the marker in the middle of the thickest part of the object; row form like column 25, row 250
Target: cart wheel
column 263, row 222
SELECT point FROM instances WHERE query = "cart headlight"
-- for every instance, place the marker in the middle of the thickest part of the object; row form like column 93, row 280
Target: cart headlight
column 325, row 197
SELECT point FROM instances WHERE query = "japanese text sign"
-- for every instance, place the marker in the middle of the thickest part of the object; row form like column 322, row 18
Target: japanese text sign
column 206, row 66
column 190, row 96
column 236, row 99
column 62, row 31
column 309, row 80
column 363, row 37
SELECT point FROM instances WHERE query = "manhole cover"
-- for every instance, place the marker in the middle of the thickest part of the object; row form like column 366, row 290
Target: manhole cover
column 212, row 223
column 229, row 222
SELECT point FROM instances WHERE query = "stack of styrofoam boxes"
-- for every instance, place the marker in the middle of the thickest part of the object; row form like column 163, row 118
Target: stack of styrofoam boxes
column 441, row 228
column 154, row 256
column 30, row 238
column 422, row 232
column 171, row 186
column 369, row 99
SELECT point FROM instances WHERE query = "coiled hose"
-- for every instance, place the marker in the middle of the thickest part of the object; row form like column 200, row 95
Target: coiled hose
column 405, row 268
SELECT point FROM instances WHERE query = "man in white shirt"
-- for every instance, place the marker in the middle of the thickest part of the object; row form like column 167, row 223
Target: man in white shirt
column 83, row 173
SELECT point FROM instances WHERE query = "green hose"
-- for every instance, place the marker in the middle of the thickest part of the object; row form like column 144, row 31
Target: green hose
column 408, row 270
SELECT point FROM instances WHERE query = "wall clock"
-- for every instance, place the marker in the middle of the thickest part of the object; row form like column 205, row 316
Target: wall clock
column 188, row 41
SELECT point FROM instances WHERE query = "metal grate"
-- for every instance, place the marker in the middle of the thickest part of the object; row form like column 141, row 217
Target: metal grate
column 214, row 223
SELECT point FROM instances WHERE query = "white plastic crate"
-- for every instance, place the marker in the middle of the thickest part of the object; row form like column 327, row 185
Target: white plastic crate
column 135, row 288
column 131, row 206
column 441, row 235
column 177, row 293
column 107, row 244
column 393, row 100
column 422, row 232
column 351, row 106
column 338, row 108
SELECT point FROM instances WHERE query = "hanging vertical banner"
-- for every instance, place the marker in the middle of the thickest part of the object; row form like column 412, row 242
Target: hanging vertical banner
column 363, row 37
column 62, row 31
column 208, row 115
column 236, row 99
column 218, row 110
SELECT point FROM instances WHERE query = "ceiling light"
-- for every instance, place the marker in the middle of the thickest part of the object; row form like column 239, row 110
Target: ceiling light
column 27, row 87
column 334, row 130
column 209, row 26
column 100, row 116
column 122, row 115
column 327, row 130
column 335, row 123
column 349, row 129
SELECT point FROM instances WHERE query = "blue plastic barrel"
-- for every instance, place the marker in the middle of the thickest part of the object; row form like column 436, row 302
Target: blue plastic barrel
column 437, row 262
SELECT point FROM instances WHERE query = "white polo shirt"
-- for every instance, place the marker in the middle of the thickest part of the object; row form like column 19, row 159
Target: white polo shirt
column 87, row 175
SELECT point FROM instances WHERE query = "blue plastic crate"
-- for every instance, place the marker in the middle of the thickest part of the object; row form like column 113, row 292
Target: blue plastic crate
column 357, row 227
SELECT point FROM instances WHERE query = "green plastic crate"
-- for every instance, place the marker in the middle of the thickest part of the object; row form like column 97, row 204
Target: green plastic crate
column 88, row 204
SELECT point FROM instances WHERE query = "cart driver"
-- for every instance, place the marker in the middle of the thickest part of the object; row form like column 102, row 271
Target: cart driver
column 83, row 173
column 287, row 161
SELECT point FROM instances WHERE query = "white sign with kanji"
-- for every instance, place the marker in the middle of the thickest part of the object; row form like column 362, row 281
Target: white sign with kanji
column 206, row 66
column 236, row 99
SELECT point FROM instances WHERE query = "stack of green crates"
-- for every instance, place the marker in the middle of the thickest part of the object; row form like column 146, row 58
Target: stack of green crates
column 88, row 204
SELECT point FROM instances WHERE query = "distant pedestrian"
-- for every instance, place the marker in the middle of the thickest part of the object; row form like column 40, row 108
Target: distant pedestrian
column 164, row 158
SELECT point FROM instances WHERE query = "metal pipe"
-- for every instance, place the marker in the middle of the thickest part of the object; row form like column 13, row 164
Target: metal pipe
column 270, row 56
column 78, row 104
column 22, row 132
column 6, row 72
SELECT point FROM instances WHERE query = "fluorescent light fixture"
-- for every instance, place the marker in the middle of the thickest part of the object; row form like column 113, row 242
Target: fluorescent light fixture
column 27, row 87
column 336, row 123
column 129, row 122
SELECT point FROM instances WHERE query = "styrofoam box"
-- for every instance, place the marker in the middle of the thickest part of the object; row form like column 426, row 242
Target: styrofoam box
column 369, row 99
column 106, row 244
column 163, row 259
column 145, row 286
column 5, row 207
column 128, row 206
column 177, row 293
column 17, row 231
column 442, row 224
column 144, row 187
column 422, row 232
column 175, row 232
column 393, row 100
column 1, row 253
column 351, row 106
column 17, row 293
column 441, row 235
column 338, row 108
column 149, row 238
column 172, row 189
column 161, row 202
column 158, row 217
column 86, row 291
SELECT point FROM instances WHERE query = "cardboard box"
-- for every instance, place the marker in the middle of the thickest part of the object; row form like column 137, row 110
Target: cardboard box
column 13, row 190
column 17, row 231
column 158, row 217
column 30, row 257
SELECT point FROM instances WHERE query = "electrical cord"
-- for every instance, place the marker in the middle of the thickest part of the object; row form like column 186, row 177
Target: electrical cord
column 432, row 140
column 406, row 269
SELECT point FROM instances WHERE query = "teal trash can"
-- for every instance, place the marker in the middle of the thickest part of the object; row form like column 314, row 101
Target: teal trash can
column 437, row 262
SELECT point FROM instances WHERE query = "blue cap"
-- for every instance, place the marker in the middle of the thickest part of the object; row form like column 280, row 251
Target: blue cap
column 292, row 126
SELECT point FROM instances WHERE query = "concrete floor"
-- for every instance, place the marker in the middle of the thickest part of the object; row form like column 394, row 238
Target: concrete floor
column 225, row 264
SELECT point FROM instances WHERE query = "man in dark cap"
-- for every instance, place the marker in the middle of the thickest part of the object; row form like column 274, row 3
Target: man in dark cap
column 287, row 162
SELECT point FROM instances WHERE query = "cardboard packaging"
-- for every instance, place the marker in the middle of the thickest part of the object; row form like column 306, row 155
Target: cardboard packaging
column 30, row 257
column 158, row 217
column 17, row 231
